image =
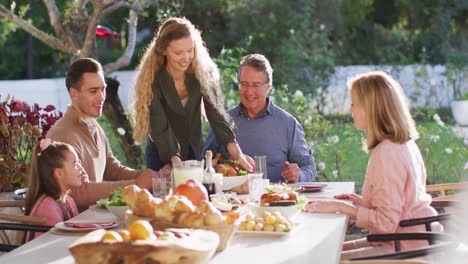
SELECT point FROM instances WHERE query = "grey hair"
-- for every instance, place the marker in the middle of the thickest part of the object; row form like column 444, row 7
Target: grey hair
column 258, row 62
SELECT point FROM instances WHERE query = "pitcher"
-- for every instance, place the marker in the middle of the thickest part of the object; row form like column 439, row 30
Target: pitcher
column 188, row 169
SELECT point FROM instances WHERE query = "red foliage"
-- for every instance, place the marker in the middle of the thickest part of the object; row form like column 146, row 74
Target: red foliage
column 21, row 128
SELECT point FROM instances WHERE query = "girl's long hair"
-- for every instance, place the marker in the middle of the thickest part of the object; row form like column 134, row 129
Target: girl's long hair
column 386, row 108
column 202, row 66
column 41, row 180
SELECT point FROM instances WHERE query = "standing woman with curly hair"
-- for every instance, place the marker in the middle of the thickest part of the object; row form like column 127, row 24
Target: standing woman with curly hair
column 176, row 81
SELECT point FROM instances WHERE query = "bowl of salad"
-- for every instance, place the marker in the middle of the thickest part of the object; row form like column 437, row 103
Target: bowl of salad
column 115, row 204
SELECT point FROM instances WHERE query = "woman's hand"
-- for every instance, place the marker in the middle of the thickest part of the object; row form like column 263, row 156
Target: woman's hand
column 246, row 162
column 355, row 198
column 236, row 153
column 175, row 159
column 324, row 206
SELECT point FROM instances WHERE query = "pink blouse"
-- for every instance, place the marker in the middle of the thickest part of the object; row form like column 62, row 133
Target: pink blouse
column 394, row 190
column 47, row 207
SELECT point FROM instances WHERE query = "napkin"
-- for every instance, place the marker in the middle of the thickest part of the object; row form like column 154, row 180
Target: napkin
column 91, row 224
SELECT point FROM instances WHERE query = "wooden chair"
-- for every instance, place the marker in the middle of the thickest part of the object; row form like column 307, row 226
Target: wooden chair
column 20, row 224
column 450, row 192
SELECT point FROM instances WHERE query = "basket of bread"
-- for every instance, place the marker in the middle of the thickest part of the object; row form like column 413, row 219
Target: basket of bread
column 141, row 244
column 178, row 211
column 235, row 177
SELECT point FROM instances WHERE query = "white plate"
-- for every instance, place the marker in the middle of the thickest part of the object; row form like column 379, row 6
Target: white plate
column 287, row 211
column 62, row 226
column 268, row 233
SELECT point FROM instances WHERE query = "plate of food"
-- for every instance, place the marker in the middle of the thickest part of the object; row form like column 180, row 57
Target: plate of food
column 80, row 226
column 266, row 224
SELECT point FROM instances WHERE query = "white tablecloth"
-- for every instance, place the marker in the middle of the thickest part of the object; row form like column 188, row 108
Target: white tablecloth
column 317, row 239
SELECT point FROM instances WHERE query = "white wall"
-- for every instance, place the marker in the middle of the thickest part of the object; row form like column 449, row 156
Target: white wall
column 426, row 86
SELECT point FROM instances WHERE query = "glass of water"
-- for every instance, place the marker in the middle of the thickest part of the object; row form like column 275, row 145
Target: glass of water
column 255, row 186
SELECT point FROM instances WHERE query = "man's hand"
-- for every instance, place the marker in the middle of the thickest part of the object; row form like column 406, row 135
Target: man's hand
column 145, row 179
column 290, row 172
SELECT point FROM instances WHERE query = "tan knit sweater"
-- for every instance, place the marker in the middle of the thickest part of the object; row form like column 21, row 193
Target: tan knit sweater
column 104, row 170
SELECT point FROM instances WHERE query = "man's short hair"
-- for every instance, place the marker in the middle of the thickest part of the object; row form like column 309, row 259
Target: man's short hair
column 258, row 62
column 77, row 68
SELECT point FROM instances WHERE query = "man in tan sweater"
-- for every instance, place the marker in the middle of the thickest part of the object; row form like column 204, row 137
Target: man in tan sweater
column 79, row 128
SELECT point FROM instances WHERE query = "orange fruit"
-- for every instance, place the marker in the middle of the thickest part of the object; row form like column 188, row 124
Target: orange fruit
column 140, row 230
column 111, row 236
column 124, row 234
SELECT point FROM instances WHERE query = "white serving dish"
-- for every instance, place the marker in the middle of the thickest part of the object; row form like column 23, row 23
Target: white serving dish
column 230, row 182
column 118, row 211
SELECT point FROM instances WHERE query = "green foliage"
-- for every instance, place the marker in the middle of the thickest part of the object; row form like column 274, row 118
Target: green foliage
column 21, row 128
column 464, row 97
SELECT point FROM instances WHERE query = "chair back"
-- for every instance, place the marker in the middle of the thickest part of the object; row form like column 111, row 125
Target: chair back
column 14, row 224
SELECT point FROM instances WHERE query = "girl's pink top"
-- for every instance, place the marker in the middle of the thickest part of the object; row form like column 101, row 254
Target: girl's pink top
column 48, row 208
column 394, row 190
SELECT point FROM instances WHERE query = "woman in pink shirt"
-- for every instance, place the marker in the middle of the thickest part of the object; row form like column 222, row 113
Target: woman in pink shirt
column 394, row 186
column 55, row 168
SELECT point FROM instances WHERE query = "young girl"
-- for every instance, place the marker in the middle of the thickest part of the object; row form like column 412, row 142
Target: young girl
column 394, row 186
column 176, row 82
column 54, row 168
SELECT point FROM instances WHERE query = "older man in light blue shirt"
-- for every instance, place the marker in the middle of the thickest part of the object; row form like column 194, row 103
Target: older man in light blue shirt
column 264, row 129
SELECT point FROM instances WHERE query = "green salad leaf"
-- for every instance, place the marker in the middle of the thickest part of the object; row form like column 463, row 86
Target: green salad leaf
column 241, row 172
column 301, row 202
column 114, row 199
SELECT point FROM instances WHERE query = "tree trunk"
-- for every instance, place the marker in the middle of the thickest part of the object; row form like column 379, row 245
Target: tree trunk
column 115, row 115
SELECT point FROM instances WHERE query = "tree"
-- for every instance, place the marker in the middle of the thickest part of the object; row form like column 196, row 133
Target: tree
column 74, row 36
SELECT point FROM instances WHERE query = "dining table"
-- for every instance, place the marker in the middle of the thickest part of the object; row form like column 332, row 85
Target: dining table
column 315, row 238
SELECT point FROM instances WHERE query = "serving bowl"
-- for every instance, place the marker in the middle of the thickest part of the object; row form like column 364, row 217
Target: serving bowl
column 118, row 211
column 289, row 211
column 230, row 182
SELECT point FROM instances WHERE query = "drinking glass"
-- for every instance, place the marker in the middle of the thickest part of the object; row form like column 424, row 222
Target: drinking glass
column 160, row 188
column 185, row 170
column 260, row 162
column 255, row 186
column 218, row 181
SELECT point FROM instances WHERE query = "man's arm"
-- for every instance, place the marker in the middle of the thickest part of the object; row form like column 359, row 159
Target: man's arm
column 300, row 154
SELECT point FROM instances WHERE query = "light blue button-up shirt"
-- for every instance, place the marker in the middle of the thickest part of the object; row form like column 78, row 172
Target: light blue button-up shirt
column 274, row 133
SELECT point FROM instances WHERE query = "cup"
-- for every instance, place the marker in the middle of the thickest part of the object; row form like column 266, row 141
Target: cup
column 255, row 186
column 160, row 187
column 260, row 163
column 218, row 181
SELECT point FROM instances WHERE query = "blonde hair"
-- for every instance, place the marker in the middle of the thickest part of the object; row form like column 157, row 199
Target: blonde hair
column 202, row 66
column 386, row 108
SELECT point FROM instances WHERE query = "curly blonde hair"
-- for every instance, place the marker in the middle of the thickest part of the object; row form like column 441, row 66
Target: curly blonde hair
column 202, row 66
